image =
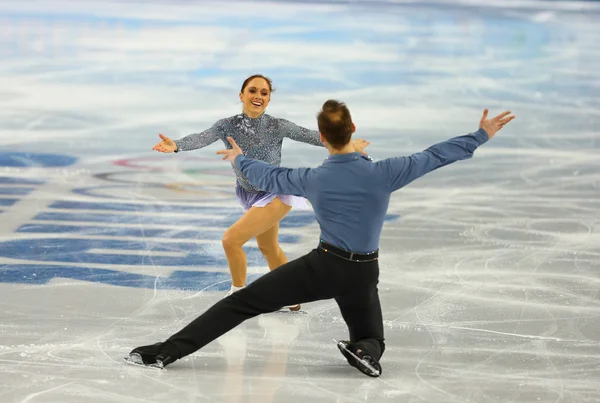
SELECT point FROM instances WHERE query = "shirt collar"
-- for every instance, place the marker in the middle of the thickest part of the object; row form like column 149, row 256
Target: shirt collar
column 344, row 157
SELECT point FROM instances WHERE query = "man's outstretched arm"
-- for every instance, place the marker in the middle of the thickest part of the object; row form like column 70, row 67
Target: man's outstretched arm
column 267, row 177
column 401, row 171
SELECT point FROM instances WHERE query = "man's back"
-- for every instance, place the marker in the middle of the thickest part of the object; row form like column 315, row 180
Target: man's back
column 350, row 194
column 350, row 198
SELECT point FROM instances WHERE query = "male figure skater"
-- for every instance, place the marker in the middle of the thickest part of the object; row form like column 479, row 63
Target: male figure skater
column 350, row 195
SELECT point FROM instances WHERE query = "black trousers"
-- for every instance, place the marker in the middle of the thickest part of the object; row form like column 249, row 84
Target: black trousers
column 315, row 276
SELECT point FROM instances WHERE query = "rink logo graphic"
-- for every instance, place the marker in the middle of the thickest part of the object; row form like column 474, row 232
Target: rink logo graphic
column 177, row 280
column 157, row 214
column 189, row 165
column 112, row 242
column 142, row 226
column 35, row 160
column 151, row 172
column 75, row 257
column 139, row 232
column 123, row 192
column 142, row 252
column 13, row 189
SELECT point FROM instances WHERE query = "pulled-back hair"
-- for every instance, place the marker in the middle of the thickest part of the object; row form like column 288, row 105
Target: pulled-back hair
column 247, row 81
column 335, row 123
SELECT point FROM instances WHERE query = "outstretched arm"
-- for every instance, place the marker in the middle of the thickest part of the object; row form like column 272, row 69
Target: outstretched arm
column 401, row 171
column 298, row 133
column 267, row 177
column 189, row 142
column 198, row 140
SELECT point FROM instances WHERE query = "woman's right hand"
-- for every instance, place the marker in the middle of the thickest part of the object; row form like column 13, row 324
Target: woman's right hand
column 166, row 145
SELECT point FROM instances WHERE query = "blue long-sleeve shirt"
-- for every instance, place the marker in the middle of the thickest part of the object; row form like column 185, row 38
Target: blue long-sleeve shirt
column 350, row 194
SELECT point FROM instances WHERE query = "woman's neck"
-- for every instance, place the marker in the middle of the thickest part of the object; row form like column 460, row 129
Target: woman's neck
column 252, row 115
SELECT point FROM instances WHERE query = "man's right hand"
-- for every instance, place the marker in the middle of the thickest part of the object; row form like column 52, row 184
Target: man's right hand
column 360, row 145
column 491, row 126
column 233, row 152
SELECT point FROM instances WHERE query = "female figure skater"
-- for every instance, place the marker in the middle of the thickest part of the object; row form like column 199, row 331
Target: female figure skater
column 261, row 137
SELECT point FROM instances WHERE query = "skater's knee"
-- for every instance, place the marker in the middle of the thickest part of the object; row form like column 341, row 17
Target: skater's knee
column 269, row 248
column 231, row 240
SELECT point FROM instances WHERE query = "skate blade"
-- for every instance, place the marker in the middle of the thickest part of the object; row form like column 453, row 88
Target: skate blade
column 288, row 311
column 372, row 371
column 136, row 359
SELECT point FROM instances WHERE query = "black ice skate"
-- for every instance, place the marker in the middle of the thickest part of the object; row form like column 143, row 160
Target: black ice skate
column 359, row 359
column 152, row 356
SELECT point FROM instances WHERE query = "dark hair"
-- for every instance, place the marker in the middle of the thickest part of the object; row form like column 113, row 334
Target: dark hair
column 252, row 77
column 335, row 123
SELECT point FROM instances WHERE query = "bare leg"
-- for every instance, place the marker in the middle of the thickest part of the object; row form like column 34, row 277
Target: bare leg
column 256, row 221
column 268, row 243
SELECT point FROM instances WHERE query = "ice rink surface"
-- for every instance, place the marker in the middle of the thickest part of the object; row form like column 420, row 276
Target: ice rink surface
column 490, row 267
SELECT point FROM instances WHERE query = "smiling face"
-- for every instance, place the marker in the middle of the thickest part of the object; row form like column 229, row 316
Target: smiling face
column 255, row 96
